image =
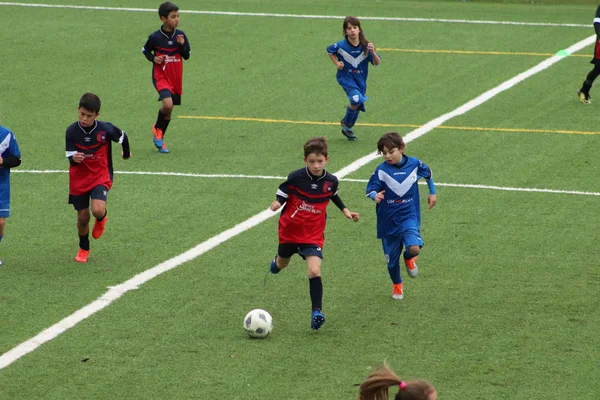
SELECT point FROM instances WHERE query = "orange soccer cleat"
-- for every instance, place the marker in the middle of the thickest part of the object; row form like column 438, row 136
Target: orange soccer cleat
column 158, row 137
column 411, row 267
column 397, row 293
column 82, row 256
column 99, row 227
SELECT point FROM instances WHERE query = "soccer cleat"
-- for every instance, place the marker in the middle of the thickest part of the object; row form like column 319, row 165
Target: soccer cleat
column 347, row 131
column 99, row 227
column 397, row 293
column 82, row 256
column 585, row 98
column 163, row 148
column 318, row 319
column 411, row 267
column 158, row 137
column 273, row 267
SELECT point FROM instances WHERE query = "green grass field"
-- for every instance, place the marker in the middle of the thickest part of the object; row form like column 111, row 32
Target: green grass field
column 506, row 302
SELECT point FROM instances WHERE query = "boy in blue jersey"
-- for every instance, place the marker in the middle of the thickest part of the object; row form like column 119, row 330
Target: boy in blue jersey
column 352, row 56
column 10, row 157
column 393, row 186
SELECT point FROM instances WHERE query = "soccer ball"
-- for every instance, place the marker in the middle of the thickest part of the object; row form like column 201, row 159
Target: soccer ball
column 258, row 323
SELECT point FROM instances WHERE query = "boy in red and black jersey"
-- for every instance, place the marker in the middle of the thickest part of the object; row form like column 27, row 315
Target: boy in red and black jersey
column 584, row 92
column 306, row 194
column 165, row 49
column 88, row 148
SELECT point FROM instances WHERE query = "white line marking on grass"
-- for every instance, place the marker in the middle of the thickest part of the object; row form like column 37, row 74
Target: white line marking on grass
column 117, row 291
column 279, row 178
column 275, row 15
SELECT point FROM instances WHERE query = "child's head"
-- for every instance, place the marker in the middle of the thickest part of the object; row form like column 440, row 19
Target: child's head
column 89, row 109
column 375, row 387
column 169, row 15
column 391, row 146
column 352, row 28
column 316, row 155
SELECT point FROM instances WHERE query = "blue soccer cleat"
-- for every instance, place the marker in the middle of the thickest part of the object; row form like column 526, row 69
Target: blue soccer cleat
column 318, row 319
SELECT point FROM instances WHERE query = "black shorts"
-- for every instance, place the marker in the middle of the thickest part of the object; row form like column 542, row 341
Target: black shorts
column 287, row 250
column 81, row 202
column 166, row 93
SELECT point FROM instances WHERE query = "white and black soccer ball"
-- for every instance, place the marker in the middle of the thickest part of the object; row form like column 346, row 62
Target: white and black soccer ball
column 258, row 323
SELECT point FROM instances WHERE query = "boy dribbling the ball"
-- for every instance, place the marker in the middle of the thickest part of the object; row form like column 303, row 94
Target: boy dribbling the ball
column 306, row 194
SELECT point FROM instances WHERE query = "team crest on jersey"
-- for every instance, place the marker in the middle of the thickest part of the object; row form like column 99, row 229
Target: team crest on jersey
column 327, row 187
column 101, row 137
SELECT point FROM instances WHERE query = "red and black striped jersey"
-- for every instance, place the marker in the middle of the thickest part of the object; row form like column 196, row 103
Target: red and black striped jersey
column 304, row 215
column 95, row 143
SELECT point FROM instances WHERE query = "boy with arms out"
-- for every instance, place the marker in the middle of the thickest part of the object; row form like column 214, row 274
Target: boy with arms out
column 88, row 148
column 165, row 49
column 306, row 194
column 10, row 157
column 393, row 186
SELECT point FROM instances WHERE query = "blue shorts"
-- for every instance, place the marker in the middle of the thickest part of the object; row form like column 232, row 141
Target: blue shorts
column 392, row 246
column 356, row 98
column 4, row 208
column 287, row 250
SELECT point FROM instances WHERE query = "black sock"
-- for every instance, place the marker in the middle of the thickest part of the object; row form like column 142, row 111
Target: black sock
column 587, row 85
column 166, row 125
column 160, row 121
column 316, row 292
column 84, row 242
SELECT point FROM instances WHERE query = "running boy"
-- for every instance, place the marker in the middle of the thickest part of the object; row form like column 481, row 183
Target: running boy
column 351, row 57
column 393, row 186
column 10, row 157
column 306, row 194
column 88, row 148
column 164, row 49
column 584, row 92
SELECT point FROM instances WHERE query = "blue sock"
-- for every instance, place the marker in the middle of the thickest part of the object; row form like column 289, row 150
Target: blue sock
column 350, row 117
column 274, row 269
column 395, row 274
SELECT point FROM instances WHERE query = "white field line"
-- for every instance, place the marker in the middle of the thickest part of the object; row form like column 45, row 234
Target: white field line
column 280, row 178
column 116, row 292
column 274, row 15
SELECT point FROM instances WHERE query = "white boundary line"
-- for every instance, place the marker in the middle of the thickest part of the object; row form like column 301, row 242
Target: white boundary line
column 116, row 292
column 337, row 17
column 273, row 177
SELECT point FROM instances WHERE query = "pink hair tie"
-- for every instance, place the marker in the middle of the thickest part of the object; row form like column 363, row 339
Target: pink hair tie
column 402, row 385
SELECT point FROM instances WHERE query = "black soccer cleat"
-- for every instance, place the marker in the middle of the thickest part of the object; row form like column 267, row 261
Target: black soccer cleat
column 347, row 131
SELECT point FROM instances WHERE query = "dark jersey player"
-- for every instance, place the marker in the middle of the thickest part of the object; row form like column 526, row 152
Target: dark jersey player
column 165, row 49
column 88, row 148
column 306, row 194
column 584, row 92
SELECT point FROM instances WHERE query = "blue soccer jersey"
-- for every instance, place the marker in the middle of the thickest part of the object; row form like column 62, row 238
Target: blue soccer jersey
column 8, row 148
column 356, row 65
column 399, row 210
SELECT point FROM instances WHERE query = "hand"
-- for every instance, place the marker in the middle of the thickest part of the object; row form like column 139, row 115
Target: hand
column 78, row 157
column 1, row 160
column 340, row 65
column 354, row 216
column 275, row 205
column 371, row 47
column 158, row 60
column 379, row 197
column 180, row 39
column 432, row 200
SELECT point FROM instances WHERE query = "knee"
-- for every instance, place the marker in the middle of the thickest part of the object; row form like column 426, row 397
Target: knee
column 83, row 218
column 282, row 262
column 414, row 251
column 98, row 212
column 314, row 271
